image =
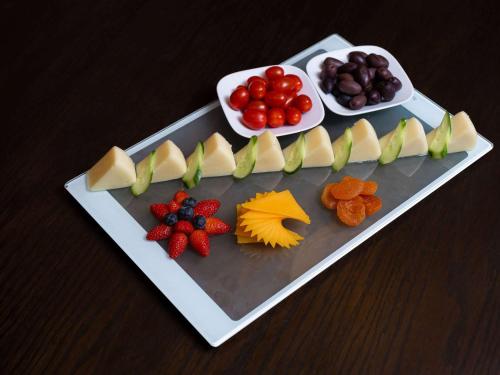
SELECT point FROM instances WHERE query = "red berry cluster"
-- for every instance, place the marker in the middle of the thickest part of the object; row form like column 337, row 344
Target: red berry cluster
column 184, row 220
column 272, row 101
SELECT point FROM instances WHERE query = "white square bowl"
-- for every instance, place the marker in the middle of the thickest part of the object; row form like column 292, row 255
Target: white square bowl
column 314, row 69
column 309, row 119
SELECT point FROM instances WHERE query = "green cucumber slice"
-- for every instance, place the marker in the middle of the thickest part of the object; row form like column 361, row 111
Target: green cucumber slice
column 192, row 176
column 438, row 147
column 394, row 145
column 294, row 155
column 144, row 170
column 246, row 160
column 342, row 150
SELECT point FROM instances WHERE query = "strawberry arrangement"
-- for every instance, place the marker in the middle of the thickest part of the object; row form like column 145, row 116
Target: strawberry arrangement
column 183, row 221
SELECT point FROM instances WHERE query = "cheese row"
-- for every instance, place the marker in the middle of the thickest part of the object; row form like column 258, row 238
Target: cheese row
column 214, row 157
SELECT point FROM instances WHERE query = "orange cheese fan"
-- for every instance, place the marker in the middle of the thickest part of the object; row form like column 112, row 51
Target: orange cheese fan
column 260, row 219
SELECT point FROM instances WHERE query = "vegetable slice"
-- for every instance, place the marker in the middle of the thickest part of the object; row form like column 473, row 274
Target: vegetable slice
column 144, row 170
column 294, row 155
column 439, row 138
column 194, row 165
column 246, row 160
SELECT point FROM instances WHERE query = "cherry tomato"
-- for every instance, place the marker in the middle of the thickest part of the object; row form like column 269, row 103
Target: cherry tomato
column 297, row 80
column 239, row 98
column 303, row 103
column 254, row 119
column 289, row 100
column 257, row 89
column 275, row 99
column 259, row 105
column 274, row 72
column 276, row 117
column 256, row 78
column 284, row 84
column 293, row 116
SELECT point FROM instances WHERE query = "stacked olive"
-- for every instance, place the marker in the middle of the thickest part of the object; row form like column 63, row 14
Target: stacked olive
column 363, row 80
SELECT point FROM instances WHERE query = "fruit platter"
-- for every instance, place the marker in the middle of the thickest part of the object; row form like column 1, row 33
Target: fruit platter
column 227, row 225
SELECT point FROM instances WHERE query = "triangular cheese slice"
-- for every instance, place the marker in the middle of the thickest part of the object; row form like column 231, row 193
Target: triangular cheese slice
column 269, row 155
column 365, row 146
column 414, row 143
column 218, row 158
column 463, row 133
column 170, row 162
column 114, row 170
column 319, row 151
column 282, row 203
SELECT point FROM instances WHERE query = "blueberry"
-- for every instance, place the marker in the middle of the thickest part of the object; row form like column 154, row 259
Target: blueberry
column 191, row 202
column 171, row 219
column 186, row 213
column 199, row 221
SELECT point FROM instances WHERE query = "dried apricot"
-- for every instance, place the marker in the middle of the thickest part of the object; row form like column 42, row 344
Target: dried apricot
column 369, row 188
column 327, row 198
column 372, row 204
column 348, row 188
column 351, row 212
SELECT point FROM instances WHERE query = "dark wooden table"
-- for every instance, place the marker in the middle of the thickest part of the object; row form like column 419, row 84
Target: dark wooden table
column 421, row 296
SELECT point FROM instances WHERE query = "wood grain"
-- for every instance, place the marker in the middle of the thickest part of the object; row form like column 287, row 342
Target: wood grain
column 420, row 297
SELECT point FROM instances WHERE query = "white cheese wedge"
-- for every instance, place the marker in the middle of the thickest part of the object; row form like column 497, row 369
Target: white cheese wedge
column 170, row 162
column 218, row 158
column 414, row 143
column 114, row 170
column 269, row 155
column 365, row 146
column 319, row 152
column 463, row 133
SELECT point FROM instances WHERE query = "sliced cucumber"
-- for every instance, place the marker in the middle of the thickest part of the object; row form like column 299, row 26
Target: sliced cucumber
column 245, row 162
column 342, row 150
column 192, row 176
column 144, row 170
column 438, row 143
column 294, row 155
column 394, row 145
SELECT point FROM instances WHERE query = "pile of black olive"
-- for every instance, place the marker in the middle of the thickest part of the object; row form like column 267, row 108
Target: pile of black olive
column 364, row 79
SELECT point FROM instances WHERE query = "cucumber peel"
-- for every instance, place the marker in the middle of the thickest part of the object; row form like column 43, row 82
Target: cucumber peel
column 342, row 150
column 246, row 160
column 438, row 146
column 193, row 174
column 294, row 155
column 393, row 147
column 144, row 171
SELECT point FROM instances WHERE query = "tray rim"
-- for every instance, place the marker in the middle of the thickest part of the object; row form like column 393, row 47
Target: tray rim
column 179, row 288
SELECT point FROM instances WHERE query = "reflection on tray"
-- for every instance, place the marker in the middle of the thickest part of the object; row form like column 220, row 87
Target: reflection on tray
column 408, row 166
column 217, row 186
column 360, row 170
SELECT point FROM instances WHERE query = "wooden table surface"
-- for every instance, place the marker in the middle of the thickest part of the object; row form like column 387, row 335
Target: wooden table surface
column 422, row 296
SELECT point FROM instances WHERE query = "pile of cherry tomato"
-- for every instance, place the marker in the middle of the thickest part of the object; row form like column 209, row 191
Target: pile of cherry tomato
column 272, row 101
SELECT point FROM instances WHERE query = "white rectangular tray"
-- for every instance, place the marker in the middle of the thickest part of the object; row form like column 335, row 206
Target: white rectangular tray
column 192, row 300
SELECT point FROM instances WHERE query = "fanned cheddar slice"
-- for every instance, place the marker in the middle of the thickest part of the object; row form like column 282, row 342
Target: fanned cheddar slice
column 282, row 203
column 260, row 219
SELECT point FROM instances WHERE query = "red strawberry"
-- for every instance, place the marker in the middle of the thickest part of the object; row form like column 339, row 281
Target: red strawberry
column 173, row 206
column 160, row 232
column 180, row 196
column 159, row 210
column 207, row 207
column 183, row 226
column 215, row 225
column 177, row 244
column 200, row 242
